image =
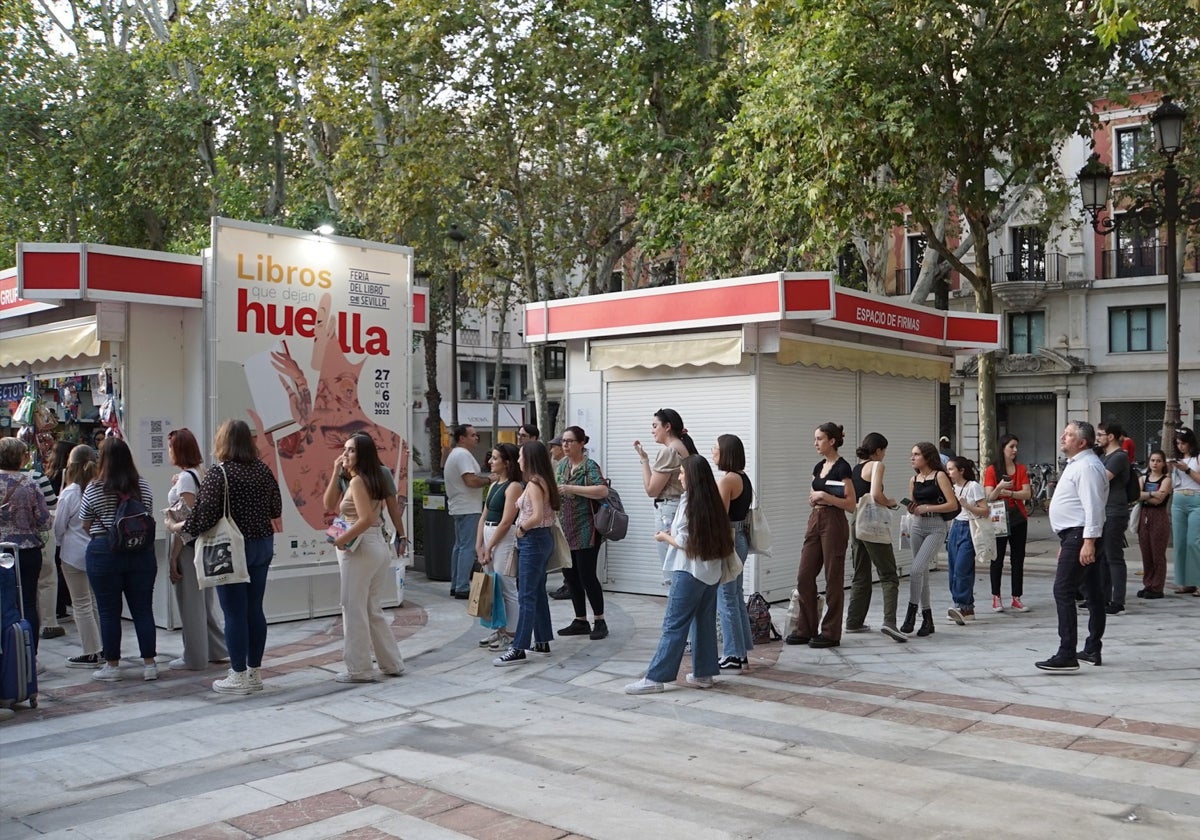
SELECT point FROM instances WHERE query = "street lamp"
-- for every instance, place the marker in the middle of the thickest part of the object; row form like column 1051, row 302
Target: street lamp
column 457, row 236
column 1163, row 205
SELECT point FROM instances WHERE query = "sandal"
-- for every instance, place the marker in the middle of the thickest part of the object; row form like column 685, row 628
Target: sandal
column 1186, row 590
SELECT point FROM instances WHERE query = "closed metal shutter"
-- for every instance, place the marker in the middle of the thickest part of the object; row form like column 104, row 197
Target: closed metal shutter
column 793, row 401
column 710, row 406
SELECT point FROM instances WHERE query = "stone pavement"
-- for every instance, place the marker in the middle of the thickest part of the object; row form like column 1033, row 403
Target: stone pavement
column 956, row 733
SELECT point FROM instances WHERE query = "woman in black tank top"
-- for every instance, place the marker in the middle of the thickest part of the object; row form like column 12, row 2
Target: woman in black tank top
column 831, row 498
column 867, row 476
column 737, row 494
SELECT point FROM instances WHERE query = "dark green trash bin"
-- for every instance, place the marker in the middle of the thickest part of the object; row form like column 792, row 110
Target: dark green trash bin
column 438, row 532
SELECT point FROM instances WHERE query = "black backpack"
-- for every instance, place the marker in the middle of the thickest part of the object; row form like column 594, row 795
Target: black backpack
column 1133, row 485
column 762, row 629
column 132, row 530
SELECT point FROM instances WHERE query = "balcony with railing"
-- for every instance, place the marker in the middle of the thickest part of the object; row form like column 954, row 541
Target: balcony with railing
column 1142, row 261
column 1021, row 280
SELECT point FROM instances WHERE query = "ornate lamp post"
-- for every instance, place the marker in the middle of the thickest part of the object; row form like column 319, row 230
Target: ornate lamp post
column 1163, row 206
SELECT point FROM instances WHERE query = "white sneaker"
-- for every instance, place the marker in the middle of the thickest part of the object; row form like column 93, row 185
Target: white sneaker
column 645, row 686
column 180, row 664
column 150, row 672
column 254, row 679
column 235, row 683
column 107, row 673
column 699, row 682
column 502, row 642
column 488, row 640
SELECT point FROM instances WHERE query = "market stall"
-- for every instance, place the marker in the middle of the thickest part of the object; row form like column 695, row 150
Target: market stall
column 767, row 358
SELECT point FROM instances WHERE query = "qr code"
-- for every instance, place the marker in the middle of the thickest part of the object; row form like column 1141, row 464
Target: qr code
column 156, row 458
column 156, row 441
column 156, row 428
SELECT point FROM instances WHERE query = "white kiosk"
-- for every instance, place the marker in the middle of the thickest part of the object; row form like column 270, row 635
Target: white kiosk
column 768, row 358
column 306, row 337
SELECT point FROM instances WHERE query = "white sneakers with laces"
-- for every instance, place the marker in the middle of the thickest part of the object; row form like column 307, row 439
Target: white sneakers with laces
column 236, row 683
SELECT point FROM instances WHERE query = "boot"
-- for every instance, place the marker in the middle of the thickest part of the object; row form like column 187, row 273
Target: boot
column 910, row 619
column 926, row 623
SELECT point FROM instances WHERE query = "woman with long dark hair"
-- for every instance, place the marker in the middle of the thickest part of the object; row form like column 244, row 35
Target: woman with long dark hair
column 867, row 476
column 960, row 548
column 930, row 499
column 660, row 480
column 698, row 542
column 1009, row 482
column 582, row 486
column 203, row 637
column 537, row 508
column 254, row 503
column 364, row 561
column 54, row 598
column 1154, row 525
column 831, row 496
column 116, row 574
column 497, row 538
column 737, row 494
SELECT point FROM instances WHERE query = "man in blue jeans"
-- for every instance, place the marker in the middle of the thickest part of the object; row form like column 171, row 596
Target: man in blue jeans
column 1077, row 516
column 464, row 503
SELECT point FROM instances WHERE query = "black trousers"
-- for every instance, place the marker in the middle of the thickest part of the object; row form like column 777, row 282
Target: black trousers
column 1068, row 578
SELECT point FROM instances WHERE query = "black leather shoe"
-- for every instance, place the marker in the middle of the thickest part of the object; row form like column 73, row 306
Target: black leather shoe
column 563, row 593
column 1059, row 662
column 1088, row 656
column 1115, row 609
column 794, row 639
column 1141, row 593
column 462, row 596
column 823, row 642
column 1152, row 594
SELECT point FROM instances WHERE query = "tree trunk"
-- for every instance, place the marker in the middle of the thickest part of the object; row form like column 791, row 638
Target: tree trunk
column 498, row 370
column 986, row 380
column 433, row 397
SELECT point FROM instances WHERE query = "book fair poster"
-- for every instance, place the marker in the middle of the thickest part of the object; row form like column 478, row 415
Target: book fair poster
column 311, row 337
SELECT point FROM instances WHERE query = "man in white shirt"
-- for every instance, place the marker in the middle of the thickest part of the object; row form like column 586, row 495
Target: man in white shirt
column 464, row 504
column 1077, row 516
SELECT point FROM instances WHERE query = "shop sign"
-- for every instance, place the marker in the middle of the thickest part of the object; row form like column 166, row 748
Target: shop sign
column 312, row 342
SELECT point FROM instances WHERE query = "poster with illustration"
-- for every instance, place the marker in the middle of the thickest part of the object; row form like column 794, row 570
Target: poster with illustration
column 311, row 337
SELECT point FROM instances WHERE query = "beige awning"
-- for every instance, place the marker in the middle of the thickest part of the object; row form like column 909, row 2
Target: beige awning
column 840, row 356
column 50, row 345
column 668, row 352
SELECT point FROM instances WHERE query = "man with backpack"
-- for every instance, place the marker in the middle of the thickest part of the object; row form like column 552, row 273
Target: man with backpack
column 1121, row 478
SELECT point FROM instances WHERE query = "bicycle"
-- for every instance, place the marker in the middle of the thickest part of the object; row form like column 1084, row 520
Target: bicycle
column 1039, row 482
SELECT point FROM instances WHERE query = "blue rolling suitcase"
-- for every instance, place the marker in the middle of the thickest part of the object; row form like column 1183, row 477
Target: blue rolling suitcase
column 18, row 666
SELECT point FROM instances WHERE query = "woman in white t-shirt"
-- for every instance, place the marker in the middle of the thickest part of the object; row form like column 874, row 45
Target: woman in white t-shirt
column 972, row 499
column 72, row 544
column 203, row 633
column 660, row 480
column 1185, row 512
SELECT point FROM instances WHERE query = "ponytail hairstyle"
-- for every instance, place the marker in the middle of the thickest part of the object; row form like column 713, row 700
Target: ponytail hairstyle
column 834, row 432
column 965, row 466
column 670, row 418
column 709, row 534
column 871, row 444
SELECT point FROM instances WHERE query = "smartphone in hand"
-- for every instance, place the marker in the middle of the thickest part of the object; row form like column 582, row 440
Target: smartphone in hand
column 905, row 502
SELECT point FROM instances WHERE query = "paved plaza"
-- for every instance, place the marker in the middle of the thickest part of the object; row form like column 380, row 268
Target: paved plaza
column 949, row 736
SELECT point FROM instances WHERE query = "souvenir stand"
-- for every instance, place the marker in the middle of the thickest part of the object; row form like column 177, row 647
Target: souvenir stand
column 165, row 341
column 768, row 358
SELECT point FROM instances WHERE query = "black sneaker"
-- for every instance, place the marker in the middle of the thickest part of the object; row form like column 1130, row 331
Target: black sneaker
column 730, row 663
column 599, row 630
column 578, row 627
column 820, row 641
column 541, row 648
column 796, row 639
column 90, row 660
column 53, row 632
column 1088, row 656
column 512, row 656
column 1141, row 593
column 1152, row 594
column 1059, row 662
column 1115, row 609
column 563, row 593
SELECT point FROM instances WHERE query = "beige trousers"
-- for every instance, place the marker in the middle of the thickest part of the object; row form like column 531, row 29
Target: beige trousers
column 364, row 574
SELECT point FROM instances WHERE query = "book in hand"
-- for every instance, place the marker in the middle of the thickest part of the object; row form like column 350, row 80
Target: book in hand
column 835, row 487
column 338, row 527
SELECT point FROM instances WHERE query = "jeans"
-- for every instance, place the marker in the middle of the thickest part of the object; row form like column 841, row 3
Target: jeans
column 865, row 556
column 462, row 558
column 736, row 635
column 1114, row 571
column 961, row 559
column 533, row 619
column 926, row 536
column 1067, row 580
column 690, row 603
column 1018, row 535
column 583, row 581
column 242, row 603
column 132, row 575
column 664, row 515
column 1185, row 531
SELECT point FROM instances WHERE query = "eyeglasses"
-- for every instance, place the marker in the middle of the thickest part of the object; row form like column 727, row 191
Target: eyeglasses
column 565, row 441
